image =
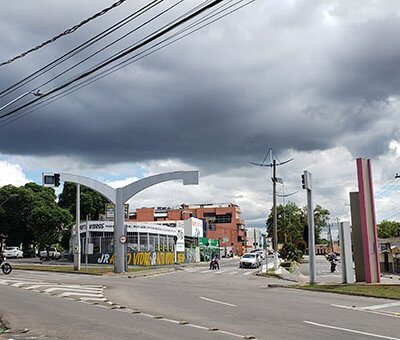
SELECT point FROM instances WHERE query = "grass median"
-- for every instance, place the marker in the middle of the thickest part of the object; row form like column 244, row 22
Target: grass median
column 96, row 270
column 387, row 291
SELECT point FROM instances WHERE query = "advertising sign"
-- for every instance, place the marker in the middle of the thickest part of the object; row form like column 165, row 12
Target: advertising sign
column 110, row 211
column 193, row 227
column 180, row 242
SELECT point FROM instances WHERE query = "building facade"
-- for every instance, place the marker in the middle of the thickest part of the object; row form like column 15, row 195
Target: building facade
column 221, row 221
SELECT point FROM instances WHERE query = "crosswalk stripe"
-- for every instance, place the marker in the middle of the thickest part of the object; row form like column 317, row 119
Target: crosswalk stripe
column 72, row 293
column 247, row 273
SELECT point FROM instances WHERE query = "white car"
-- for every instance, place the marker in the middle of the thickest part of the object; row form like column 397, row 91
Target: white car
column 54, row 254
column 250, row 260
column 13, row 252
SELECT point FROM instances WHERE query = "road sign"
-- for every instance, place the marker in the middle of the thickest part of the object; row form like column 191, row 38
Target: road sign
column 122, row 239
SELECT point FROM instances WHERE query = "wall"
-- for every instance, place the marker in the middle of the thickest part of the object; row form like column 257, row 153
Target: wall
column 143, row 258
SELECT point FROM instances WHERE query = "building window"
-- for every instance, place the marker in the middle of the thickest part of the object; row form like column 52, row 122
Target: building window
column 226, row 218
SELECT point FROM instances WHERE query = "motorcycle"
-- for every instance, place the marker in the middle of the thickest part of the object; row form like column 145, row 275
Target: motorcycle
column 214, row 264
column 5, row 266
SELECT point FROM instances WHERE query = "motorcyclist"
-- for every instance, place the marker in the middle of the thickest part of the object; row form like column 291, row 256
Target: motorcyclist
column 332, row 259
column 214, row 261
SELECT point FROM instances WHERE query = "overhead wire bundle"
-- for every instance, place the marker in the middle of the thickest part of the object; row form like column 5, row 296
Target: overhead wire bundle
column 193, row 20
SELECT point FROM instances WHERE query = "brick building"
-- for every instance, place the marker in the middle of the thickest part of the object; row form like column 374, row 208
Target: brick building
column 221, row 221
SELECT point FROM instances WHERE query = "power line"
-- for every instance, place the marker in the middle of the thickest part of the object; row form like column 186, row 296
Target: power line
column 119, row 56
column 80, row 48
column 125, row 63
column 66, row 32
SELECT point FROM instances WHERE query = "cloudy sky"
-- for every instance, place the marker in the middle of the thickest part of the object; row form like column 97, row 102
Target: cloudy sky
column 314, row 80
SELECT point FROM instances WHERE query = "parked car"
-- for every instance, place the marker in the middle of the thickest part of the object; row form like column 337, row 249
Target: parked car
column 29, row 252
column 9, row 252
column 250, row 260
column 54, row 254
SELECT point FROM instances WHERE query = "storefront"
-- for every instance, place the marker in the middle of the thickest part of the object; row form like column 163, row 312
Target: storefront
column 208, row 246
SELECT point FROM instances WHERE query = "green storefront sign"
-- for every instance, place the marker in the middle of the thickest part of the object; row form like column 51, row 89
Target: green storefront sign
column 204, row 241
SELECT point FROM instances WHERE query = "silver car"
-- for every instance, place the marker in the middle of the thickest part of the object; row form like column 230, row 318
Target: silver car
column 250, row 260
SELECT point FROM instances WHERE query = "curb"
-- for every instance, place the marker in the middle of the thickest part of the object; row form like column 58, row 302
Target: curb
column 57, row 271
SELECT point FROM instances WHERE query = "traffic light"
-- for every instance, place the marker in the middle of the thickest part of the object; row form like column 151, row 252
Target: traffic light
column 303, row 181
column 56, row 180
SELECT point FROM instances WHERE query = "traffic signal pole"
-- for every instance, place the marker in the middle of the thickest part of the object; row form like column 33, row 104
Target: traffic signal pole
column 306, row 182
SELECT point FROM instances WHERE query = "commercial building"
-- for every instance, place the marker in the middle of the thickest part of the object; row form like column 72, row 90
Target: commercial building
column 221, row 221
column 147, row 243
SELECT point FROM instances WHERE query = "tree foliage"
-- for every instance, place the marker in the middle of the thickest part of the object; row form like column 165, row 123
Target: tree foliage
column 47, row 223
column 92, row 203
column 293, row 228
column 17, row 204
column 387, row 229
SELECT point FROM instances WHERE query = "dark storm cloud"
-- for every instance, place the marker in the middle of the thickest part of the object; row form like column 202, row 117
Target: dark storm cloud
column 267, row 77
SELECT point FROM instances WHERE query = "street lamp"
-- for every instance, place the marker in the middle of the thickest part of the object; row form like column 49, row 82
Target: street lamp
column 36, row 93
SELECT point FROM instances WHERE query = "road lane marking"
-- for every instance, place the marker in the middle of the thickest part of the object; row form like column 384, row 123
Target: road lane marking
column 234, row 272
column 385, row 305
column 220, row 271
column 247, row 273
column 205, row 271
column 351, row 330
column 80, row 294
column 384, row 313
column 216, row 301
column 49, row 290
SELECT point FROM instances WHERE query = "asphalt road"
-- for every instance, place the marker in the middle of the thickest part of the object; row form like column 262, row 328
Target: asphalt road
column 231, row 300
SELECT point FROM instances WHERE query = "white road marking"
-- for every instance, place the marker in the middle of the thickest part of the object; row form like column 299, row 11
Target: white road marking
column 351, row 331
column 234, row 272
column 40, row 285
column 49, row 290
column 385, row 305
column 220, row 271
column 247, row 273
column 71, row 293
column 391, row 314
column 205, row 271
column 93, row 299
column 216, row 301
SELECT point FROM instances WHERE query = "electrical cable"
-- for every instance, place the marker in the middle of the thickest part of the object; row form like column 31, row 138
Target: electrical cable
column 111, row 60
column 95, row 78
column 66, row 32
column 79, row 48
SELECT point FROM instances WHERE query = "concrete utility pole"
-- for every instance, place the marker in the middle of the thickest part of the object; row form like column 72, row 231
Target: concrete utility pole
column 77, row 245
column 306, row 181
column 274, row 179
column 275, row 216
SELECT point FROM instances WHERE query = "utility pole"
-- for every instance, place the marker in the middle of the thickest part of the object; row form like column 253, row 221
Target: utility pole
column 306, row 184
column 275, row 216
column 274, row 179
column 77, row 245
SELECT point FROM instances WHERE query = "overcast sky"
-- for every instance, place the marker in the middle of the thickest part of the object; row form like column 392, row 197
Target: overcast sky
column 314, row 80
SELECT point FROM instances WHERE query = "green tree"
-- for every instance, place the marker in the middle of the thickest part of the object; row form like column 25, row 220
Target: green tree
column 91, row 201
column 387, row 229
column 48, row 222
column 18, row 203
column 293, row 228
